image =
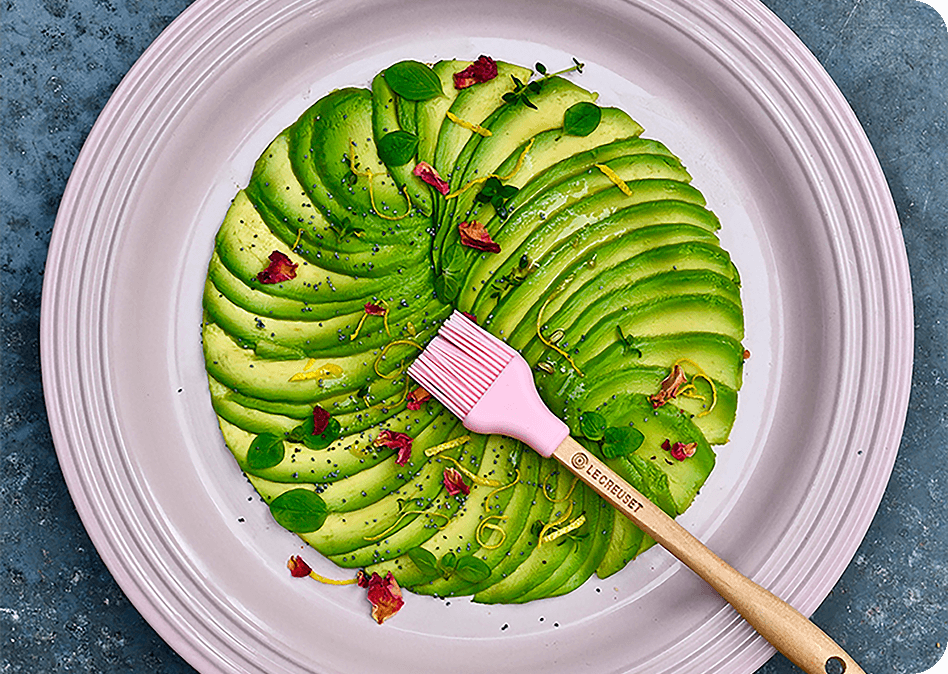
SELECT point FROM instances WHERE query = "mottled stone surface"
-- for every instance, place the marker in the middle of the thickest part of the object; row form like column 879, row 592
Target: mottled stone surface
column 60, row 610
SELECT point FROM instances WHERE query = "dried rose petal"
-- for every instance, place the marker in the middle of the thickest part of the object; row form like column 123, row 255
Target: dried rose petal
column 669, row 387
column 280, row 269
column 374, row 309
column 417, row 398
column 427, row 173
column 395, row 440
column 482, row 70
column 298, row 568
column 384, row 595
column 475, row 236
column 320, row 420
column 680, row 450
column 454, row 482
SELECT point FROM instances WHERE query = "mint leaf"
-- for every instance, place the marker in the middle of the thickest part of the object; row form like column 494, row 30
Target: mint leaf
column 299, row 510
column 413, row 80
column 426, row 562
column 266, row 451
column 582, row 119
column 472, row 569
column 621, row 441
column 397, row 148
column 592, row 425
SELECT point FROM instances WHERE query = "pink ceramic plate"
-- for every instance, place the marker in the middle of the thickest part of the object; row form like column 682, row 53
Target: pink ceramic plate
column 770, row 141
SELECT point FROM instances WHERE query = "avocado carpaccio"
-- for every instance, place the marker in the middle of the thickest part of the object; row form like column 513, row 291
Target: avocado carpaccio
column 555, row 225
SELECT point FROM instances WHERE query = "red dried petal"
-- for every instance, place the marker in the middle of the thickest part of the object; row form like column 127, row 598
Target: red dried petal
column 470, row 316
column 482, row 70
column 395, row 440
column 417, row 398
column 298, row 568
column 384, row 594
column 427, row 173
column 681, row 450
column 668, row 389
column 280, row 269
column 475, row 236
column 374, row 309
column 454, row 482
column 320, row 420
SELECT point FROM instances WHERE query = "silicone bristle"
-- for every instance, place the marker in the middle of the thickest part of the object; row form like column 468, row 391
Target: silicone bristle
column 460, row 364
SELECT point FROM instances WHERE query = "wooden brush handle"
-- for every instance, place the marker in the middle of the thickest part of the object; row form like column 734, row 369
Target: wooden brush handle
column 805, row 644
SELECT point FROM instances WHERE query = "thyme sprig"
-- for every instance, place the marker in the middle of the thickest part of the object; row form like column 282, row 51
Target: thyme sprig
column 523, row 90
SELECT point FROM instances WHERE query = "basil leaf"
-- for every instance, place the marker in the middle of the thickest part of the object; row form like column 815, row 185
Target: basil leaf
column 582, row 119
column 397, row 148
column 304, row 434
column 592, row 425
column 448, row 283
column 472, row 569
column 621, row 441
column 426, row 562
column 413, row 80
column 299, row 510
column 266, row 451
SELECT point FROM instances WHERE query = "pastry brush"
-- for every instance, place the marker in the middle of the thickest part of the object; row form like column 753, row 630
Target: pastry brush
column 489, row 386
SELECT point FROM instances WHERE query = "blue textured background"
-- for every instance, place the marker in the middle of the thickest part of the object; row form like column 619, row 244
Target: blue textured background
column 61, row 611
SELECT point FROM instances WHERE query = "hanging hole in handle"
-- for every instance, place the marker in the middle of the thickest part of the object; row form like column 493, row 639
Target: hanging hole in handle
column 835, row 666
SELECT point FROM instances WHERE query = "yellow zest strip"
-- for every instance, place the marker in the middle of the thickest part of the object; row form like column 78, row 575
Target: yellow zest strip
column 500, row 489
column 309, row 364
column 476, row 479
column 572, row 526
column 365, row 315
column 368, row 173
column 403, row 516
column 411, row 328
column 555, row 523
column 569, row 492
column 385, row 350
column 385, row 320
column 510, row 175
column 328, row 371
column 487, row 524
column 702, row 375
column 450, row 444
column 551, row 344
column 299, row 235
column 330, row 581
column 359, row 326
column 476, row 128
column 614, row 177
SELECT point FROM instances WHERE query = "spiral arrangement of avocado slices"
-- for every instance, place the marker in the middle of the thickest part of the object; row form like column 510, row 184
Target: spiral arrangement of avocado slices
column 609, row 275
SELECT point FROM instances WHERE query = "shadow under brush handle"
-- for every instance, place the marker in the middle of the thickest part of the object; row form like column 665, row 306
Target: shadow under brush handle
column 788, row 630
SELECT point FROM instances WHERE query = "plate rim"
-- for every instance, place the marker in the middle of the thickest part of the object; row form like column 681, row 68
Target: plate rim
column 856, row 143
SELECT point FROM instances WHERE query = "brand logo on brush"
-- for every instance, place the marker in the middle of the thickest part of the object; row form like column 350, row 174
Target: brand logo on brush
column 582, row 462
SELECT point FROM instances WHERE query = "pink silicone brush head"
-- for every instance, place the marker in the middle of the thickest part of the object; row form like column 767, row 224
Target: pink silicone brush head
column 487, row 384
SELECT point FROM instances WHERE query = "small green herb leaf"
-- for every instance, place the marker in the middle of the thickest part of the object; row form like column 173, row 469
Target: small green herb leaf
column 397, row 148
column 413, row 80
column 582, row 118
column 266, row 451
column 472, row 569
column 426, row 562
column 592, row 425
column 304, row 434
column 299, row 510
column 540, row 68
column 621, row 441
column 447, row 564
